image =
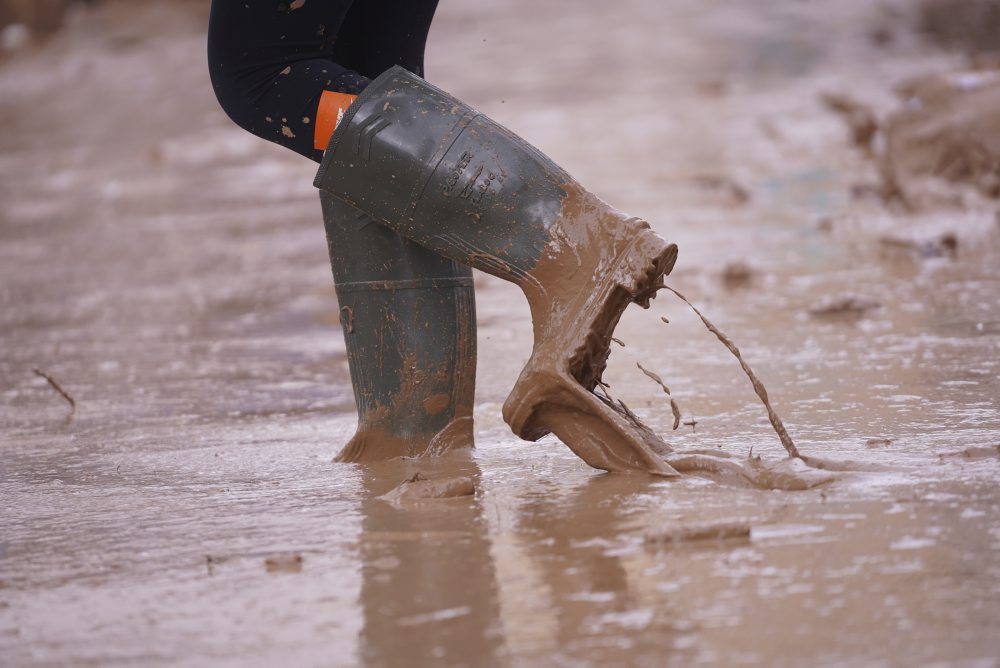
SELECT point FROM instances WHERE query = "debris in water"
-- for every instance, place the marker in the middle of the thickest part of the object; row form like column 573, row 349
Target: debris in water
column 691, row 423
column 878, row 442
column 944, row 133
column 55, row 386
column 844, row 305
column 667, row 322
column 758, row 387
column 707, row 531
column 737, row 274
column 945, row 245
column 618, row 341
column 860, row 118
column 284, row 563
column 417, row 489
column 736, row 193
column 210, row 561
column 674, row 408
column 987, row 452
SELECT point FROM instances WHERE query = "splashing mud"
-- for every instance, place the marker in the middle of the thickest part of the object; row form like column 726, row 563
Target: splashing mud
column 758, row 387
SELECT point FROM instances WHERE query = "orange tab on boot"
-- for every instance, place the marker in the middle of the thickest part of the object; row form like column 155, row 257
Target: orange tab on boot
column 328, row 114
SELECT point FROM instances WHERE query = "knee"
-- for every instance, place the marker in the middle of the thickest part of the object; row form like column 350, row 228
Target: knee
column 229, row 92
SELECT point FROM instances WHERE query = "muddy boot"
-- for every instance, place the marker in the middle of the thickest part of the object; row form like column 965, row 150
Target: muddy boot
column 409, row 320
column 440, row 173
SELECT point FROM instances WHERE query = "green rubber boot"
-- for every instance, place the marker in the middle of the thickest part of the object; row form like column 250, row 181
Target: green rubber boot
column 409, row 321
column 441, row 174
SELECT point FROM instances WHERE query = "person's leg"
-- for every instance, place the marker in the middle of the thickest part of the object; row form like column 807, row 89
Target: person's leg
column 271, row 61
column 409, row 321
column 408, row 314
column 377, row 34
column 443, row 175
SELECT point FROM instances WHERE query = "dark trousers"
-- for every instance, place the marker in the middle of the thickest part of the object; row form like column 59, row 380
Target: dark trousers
column 270, row 60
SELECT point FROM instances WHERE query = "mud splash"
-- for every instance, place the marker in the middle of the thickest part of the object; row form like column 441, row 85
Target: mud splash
column 596, row 263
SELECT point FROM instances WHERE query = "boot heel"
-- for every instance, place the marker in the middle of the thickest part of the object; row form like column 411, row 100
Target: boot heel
column 604, row 437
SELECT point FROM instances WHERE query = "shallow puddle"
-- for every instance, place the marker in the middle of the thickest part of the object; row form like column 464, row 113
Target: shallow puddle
column 168, row 272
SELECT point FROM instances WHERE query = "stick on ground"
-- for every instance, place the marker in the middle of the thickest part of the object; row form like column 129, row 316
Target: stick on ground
column 55, row 386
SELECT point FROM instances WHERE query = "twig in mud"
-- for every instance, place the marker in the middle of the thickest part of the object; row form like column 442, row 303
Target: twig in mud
column 55, row 386
column 758, row 387
column 618, row 341
column 691, row 423
column 674, row 408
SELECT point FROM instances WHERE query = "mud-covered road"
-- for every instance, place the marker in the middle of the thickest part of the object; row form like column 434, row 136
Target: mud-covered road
column 169, row 272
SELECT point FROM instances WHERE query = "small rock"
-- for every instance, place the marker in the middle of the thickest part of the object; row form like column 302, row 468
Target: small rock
column 844, row 305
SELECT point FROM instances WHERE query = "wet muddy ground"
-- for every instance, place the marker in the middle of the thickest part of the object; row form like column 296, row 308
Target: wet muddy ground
column 168, row 271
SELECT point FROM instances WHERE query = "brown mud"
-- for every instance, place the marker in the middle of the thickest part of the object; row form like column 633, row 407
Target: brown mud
column 169, row 271
column 596, row 263
column 943, row 131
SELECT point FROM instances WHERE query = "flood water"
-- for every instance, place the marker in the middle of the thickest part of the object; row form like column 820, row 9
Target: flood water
column 169, row 271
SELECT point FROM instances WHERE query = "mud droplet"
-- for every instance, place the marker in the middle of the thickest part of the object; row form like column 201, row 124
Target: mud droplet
column 350, row 318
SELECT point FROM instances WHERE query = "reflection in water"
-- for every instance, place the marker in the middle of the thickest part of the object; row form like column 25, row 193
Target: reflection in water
column 579, row 579
column 429, row 589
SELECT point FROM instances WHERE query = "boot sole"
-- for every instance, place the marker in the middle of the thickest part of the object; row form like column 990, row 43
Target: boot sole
column 560, row 400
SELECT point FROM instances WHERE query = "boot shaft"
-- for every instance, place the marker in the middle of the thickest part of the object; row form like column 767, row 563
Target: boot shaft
column 442, row 174
column 408, row 318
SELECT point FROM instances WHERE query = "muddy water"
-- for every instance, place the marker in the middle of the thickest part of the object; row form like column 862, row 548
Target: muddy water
column 169, row 273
